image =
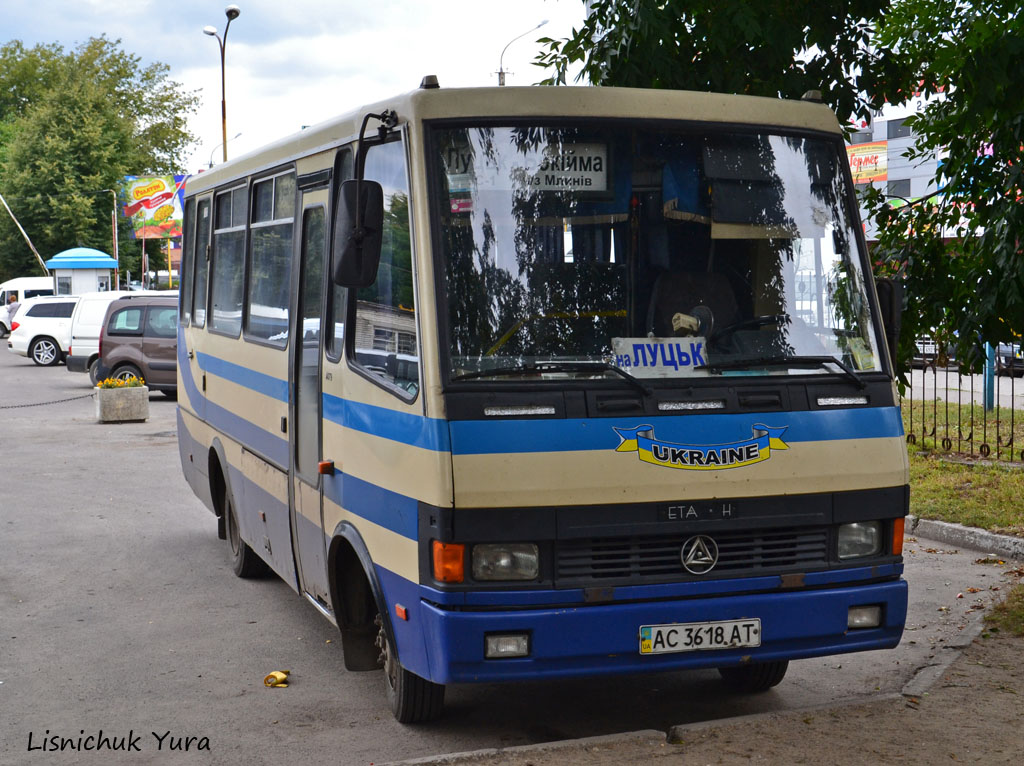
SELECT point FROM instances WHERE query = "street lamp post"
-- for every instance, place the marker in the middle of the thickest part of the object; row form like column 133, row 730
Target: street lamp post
column 232, row 12
column 210, row 163
column 501, row 69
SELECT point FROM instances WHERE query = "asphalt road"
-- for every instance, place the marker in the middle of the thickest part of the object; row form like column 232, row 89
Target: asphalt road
column 118, row 612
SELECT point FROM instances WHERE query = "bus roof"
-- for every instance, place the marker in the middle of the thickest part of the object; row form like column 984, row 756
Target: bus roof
column 536, row 102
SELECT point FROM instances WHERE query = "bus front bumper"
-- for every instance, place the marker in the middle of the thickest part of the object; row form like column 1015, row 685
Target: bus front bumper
column 600, row 639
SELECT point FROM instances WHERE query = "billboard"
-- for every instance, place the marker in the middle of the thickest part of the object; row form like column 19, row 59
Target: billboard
column 154, row 204
column 869, row 162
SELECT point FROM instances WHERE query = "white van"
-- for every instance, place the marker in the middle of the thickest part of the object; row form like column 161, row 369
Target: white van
column 86, row 323
column 21, row 288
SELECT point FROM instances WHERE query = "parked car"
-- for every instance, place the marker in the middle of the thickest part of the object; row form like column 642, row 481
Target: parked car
column 929, row 353
column 140, row 338
column 41, row 329
column 86, row 323
column 21, row 288
column 1010, row 359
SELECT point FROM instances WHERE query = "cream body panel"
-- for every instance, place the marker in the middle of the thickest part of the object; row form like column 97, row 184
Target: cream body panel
column 593, row 477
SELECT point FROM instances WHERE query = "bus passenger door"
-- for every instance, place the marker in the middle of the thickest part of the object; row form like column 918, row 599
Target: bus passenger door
column 307, row 513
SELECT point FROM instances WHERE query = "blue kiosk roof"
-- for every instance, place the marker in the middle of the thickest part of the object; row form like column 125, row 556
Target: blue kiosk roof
column 81, row 258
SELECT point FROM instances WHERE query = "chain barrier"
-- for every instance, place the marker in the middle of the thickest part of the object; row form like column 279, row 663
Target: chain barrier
column 43, row 404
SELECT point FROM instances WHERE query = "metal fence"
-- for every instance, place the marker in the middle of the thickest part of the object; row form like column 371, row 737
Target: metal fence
column 971, row 415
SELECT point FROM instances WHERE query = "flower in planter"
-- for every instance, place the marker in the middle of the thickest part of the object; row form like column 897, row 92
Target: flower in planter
column 129, row 382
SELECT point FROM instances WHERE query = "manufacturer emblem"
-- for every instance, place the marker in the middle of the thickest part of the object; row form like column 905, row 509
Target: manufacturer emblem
column 699, row 555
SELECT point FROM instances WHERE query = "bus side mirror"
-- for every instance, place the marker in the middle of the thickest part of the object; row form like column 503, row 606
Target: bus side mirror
column 357, row 233
column 890, row 305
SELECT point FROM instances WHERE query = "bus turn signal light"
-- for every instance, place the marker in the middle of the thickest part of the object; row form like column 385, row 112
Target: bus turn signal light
column 897, row 537
column 449, row 561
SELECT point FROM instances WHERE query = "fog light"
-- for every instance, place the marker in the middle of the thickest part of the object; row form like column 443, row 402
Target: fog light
column 507, row 645
column 862, row 538
column 864, row 616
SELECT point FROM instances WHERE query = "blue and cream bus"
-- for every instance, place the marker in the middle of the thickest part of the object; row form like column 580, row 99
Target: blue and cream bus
column 531, row 383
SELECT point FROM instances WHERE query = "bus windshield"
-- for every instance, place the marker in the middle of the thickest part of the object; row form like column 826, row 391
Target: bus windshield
column 663, row 252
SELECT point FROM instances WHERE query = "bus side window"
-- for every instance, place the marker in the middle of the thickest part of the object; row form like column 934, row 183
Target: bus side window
column 270, row 246
column 202, row 263
column 188, row 259
column 228, row 262
column 385, row 330
column 335, row 340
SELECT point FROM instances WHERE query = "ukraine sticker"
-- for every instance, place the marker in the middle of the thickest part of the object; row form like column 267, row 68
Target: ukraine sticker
column 701, row 457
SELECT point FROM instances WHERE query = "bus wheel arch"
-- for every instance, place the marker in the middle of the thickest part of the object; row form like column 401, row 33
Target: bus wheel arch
column 215, row 462
column 357, row 598
column 245, row 562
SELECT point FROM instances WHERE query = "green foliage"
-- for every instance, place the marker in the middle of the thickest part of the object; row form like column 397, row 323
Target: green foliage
column 768, row 48
column 73, row 124
column 961, row 251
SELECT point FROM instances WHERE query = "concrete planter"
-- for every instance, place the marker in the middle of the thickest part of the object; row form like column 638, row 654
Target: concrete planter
column 122, row 405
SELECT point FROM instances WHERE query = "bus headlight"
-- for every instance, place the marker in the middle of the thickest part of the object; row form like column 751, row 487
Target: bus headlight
column 506, row 561
column 859, row 539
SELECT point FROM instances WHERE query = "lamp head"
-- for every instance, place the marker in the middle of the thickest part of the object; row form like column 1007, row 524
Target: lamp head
column 232, row 12
column 211, row 31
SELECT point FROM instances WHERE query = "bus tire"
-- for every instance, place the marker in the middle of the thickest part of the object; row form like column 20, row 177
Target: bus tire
column 412, row 699
column 244, row 561
column 754, row 677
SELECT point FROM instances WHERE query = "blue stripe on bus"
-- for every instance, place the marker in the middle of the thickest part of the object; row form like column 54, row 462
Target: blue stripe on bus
column 478, row 437
column 403, row 427
column 391, row 510
column 260, row 382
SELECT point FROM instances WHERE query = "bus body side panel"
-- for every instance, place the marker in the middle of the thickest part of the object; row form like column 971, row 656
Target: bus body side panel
column 245, row 408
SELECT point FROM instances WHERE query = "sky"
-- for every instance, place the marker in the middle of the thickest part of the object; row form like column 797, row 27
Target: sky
column 291, row 63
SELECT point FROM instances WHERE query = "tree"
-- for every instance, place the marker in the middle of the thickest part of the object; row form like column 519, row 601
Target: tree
column 71, row 126
column 961, row 251
column 771, row 48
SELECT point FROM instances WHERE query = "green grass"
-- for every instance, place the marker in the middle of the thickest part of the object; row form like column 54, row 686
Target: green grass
column 976, row 494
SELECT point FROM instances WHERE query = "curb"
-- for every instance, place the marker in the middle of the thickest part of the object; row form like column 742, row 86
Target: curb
column 639, row 738
column 1005, row 546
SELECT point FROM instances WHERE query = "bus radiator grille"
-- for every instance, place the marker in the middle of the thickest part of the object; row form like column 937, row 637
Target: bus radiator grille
column 635, row 560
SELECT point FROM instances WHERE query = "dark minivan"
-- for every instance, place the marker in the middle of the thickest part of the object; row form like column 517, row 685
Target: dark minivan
column 140, row 338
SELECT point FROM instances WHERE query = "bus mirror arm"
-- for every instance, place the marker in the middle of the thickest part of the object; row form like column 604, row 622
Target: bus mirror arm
column 359, row 217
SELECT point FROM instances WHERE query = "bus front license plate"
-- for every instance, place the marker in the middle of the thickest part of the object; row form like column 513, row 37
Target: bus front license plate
column 698, row 636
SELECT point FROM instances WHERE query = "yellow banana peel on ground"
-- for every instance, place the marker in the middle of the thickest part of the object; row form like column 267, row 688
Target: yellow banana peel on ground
column 277, row 678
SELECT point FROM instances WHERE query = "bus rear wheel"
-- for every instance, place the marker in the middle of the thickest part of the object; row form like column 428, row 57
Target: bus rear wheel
column 244, row 560
column 413, row 699
column 754, row 677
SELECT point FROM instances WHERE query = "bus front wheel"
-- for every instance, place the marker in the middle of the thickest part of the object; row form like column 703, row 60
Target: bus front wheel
column 413, row 699
column 754, row 677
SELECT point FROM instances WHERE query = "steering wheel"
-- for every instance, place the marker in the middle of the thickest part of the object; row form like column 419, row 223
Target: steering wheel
column 743, row 324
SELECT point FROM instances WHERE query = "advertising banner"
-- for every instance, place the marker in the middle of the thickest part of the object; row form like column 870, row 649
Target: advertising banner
column 155, row 205
column 869, row 162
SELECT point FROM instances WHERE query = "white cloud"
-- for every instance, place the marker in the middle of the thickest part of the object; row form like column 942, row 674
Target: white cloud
column 299, row 62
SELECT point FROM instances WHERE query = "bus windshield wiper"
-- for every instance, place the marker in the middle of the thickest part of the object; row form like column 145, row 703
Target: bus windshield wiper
column 792, row 360
column 541, row 367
